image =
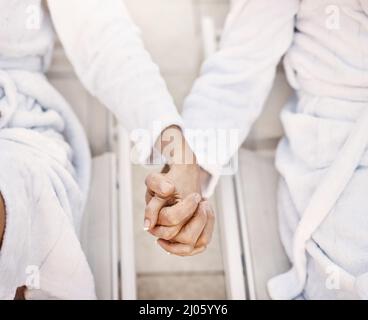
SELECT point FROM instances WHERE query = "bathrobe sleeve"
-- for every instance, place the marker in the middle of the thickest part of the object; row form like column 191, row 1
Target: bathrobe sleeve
column 235, row 82
column 106, row 50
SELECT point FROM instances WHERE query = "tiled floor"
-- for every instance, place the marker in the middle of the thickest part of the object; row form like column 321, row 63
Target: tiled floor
column 192, row 286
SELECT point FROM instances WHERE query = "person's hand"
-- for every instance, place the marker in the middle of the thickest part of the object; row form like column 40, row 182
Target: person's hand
column 177, row 189
column 176, row 213
column 193, row 236
column 181, row 220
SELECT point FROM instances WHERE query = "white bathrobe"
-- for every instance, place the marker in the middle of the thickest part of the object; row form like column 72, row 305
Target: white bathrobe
column 44, row 155
column 323, row 159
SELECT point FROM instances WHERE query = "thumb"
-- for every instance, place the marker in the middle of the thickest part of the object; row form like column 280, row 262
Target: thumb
column 153, row 208
column 158, row 184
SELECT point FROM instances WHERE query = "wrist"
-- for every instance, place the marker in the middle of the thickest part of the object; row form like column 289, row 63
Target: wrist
column 186, row 177
column 187, row 168
column 174, row 147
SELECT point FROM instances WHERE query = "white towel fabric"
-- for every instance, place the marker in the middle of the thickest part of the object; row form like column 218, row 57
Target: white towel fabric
column 44, row 156
column 44, row 176
column 323, row 159
column 108, row 55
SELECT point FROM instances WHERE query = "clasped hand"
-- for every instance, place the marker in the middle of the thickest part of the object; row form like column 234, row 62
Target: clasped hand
column 175, row 213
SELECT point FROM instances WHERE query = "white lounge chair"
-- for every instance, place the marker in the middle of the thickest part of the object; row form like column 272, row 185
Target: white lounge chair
column 251, row 247
column 107, row 230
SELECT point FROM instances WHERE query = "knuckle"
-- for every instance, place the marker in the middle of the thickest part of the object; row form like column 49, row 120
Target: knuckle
column 188, row 239
column 171, row 233
column 188, row 250
column 163, row 216
column 189, row 213
column 172, row 218
column 204, row 241
column 150, row 178
column 175, row 220
column 164, row 235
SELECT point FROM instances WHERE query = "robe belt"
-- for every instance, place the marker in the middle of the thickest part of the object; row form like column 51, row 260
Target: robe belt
column 291, row 284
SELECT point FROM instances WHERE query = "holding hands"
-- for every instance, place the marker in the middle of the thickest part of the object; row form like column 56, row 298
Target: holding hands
column 175, row 211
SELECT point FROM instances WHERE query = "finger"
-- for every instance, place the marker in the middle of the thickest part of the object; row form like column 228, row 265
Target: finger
column 178, row 249
column 198, row 250
column 149, row 195
column 190, row 232
column 181, row 212
column 160, row 185
column 206, row 236
column 151, row 212
column 166, row 233
column 169, row 201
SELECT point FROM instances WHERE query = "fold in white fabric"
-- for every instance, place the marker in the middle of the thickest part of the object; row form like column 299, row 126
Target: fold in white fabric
column 234, row 82
column 108, row 55
column 323, row 158
column 44, row 178
column 44, row 157
column 107, row 52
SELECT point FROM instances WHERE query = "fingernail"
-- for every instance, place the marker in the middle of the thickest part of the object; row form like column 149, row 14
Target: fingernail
column 166, row 187
column 147, row 224
column 197, row 198
column 168, row 253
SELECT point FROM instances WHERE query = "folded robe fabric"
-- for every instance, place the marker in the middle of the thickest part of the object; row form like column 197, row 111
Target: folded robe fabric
column 42, row 146
column 44, row 177
column 322, row 160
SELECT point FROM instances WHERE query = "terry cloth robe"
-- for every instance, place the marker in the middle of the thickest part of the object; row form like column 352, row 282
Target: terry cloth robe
column 44, row 155
column 323, row 158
